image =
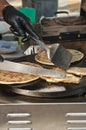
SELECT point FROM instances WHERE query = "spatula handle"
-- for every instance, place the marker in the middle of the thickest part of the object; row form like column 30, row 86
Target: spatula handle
column 41, row 43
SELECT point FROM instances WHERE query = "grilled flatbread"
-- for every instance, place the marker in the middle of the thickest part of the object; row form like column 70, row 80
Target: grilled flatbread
column 7, row 77
column 70, row 78
column 77, row 71
column 77, row 55
column 43, row 58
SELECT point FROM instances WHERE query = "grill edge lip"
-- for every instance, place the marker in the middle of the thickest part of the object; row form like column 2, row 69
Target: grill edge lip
column 76, row 128
column 76, row 114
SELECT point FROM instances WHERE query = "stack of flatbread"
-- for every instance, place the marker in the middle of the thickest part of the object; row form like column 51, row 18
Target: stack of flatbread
column 73, row 74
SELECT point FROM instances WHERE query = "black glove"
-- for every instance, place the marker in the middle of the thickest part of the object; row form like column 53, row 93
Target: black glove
column 20, row 24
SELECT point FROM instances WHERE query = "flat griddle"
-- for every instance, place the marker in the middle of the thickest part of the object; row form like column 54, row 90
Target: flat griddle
column 53, row 90
column 42, row 89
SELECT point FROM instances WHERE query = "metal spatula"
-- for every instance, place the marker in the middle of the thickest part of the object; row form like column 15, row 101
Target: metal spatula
column 57, row 54
column 29, row 69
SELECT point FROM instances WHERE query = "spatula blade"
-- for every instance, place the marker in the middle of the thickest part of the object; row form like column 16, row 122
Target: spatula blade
column 28, row 69
column 60, row 56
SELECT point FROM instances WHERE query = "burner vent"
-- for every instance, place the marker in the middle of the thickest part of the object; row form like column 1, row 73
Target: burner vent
column 20, row 129
column 19, row 121
column 18, row 115
column 76, row 121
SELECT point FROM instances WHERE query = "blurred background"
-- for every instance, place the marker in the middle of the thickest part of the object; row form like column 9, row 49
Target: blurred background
column 16, row 3
column 44, row 7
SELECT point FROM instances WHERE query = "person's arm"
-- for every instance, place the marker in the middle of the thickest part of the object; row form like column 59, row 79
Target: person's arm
column 3, row 3
column 20, row 24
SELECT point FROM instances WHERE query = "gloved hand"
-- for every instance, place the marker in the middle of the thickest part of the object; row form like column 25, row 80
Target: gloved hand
column 20, row 24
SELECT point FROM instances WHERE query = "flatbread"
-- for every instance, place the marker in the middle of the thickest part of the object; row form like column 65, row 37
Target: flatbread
column 70, row 78
column 77, row 71
column 7, row 77
column 77, row 55
column 43, row 58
